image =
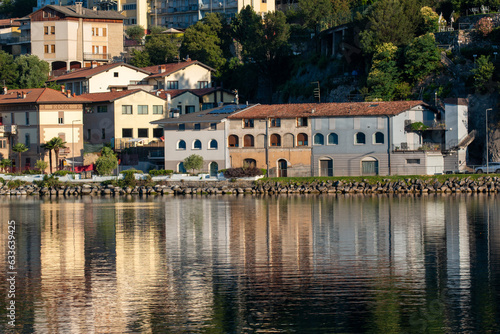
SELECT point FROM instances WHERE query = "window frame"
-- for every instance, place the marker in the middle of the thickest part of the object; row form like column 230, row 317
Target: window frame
column 125, row 109
column 141, row 108
column 128, row 129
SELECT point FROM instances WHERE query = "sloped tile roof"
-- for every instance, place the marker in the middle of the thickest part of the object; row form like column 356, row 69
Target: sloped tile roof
column 110, row 96
column 89, row 72
column 70, row 11
column 10, row 23
column 457, row 101
column 172, row 68
column 198, row 92
column 39, row 96
column 327, row 109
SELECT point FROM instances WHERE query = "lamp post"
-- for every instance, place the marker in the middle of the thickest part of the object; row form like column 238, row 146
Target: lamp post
column 73, row 142
column 487, row 153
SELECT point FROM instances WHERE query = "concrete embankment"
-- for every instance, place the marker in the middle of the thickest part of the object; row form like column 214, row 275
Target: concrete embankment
column 486, row 184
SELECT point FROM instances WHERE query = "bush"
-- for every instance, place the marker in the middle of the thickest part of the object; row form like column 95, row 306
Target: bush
column 62, row 173
column 159, row 172
column 106, row 162
column 131, row 171
column 128, row 180
column 484, row 26
column 242, row 172
column 12, row 184
column 48, row 181
column 2, row 180
column 30, row 172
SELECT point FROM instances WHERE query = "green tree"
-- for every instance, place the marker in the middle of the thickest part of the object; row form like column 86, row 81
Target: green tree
column 106, row 162
column 315, row 12
column 193, row 162
column 483, row 73
column 202, row 42
column 422, row 57
column 41, row 165
column 384, row 76
column 430, row 20
column 5, row 164
column 248, row 32
column 390, row 21
column 8, row 72
column 19, row 148
column 16, row 8
column 33, row 72
column 135, row 32
column 155, row 30
column 161, row 49
column 140, row 58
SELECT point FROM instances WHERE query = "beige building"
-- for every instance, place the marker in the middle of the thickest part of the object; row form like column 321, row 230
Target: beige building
column 40, row 114
column 190, row 74
column 274, row 137
column 70, row 37
column 123, row 118
column 186, row 101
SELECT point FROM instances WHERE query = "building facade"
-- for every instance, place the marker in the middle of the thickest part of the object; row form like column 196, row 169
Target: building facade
column 40, row 114
column 70, row 37
column 190, row 74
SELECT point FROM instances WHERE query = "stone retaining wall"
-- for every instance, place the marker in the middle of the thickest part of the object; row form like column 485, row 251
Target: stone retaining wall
column 487, row 184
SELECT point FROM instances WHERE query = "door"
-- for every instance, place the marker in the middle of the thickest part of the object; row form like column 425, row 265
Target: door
column 326, row 167
column 214, row 169
column 282, row 168
column 369, row 167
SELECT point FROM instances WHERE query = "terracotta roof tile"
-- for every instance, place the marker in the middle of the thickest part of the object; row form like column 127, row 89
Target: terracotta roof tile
column 39, row 95
column 109, row 96
column 70, row 11
column 10, row 23
column 88, row 72
column 171, row 68
column 327, row 109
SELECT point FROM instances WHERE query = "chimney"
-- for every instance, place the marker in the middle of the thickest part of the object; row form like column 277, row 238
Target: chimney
column 68, row 93
column 5, row 90
column 78, row 8
column 23, row 94
column 162, row 68
column 63, row 88
column 175, row 113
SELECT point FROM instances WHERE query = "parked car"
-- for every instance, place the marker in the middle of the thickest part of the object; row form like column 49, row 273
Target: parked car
column 493, row 167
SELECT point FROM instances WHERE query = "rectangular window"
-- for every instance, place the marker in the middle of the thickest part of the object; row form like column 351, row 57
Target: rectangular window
column 158, row 132
column 158, row 110
column 302, row 121
column 182, row 127
column 27, row 141
column 202, row 84
column 142, row 110
column 60, row 117
column 275, row 122
column 189, row 109
column 53, row 30
column 127, row 110
column 413, row 161
column 142, row 133
column 102, row 109
column 248, row 123
column 126, row 133
column 93, row 31
column 46, row 30
column 89, row 134
column 104, row 32
column 27, row 118
column 103, row 133
column 213, row 126
column 53, row 48
column 115, row 74
column 172, row 84
column 197, row 126
column 46, row 48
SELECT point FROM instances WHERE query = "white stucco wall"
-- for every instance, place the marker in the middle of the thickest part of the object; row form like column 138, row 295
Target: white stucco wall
column 101, row 82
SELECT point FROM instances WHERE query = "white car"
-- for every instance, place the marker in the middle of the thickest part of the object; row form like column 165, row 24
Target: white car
column 493, row 167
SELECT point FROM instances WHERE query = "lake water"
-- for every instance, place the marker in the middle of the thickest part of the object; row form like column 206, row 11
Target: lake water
column 226, row 264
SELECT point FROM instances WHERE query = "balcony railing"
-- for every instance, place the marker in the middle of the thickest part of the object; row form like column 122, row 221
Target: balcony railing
column 12, row 129
column 424, row 126
column 96, row 56
column 404, row 147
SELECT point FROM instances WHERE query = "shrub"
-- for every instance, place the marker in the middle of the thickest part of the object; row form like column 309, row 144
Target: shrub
column 2, row 180
column 231, row 173
column 159, row 172
column 62, row 173
column 106, row 162
column 30, row 172
column 129, row 180
column 484, row 26
column 48, row 181
column 131, row 171
column 41, row 166
column 15, row 184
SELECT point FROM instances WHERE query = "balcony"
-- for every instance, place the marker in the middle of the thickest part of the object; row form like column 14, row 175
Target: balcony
column 96, row 56
column 12, row 129
column 424, row 126
column 424, row 147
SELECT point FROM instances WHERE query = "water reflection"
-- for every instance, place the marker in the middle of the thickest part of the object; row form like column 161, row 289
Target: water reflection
column 250, row 264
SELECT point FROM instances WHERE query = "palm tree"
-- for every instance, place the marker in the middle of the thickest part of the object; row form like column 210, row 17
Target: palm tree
column 5, row 163
column 19, row 148
column 58, row 144
column 49, row 146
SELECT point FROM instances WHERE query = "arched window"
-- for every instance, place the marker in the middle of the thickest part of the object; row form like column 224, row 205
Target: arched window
column 378, row 138
column 275, row 140
column 233, row 141
column 359, row 138
column 213, row 144
column 180, row 167
column 333, row 139
column 197, row 144
column 181, row 145
column 319, row 139
column 251, row 163
column 248, row 141
column 302, row 139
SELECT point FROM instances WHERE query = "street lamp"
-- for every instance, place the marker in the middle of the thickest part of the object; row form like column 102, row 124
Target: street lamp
column 487, row 153
column 73, row 142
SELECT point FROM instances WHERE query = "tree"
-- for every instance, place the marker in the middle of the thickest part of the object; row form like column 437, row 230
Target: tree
column 202, row 42
column 430, row 20
column 49, row 147
column 140, row 58
column 483, row 73
column 5, row 164
column 383, row 77
column 33, row 72
column 41, row 165
column 135, row 32
column 19, row 148
column 389, row 21
column 248, row 31
column 161, row 49
column 422, row 57
column 314, row 12
column 8, row 74
column 106, row 162
column 193, row 162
